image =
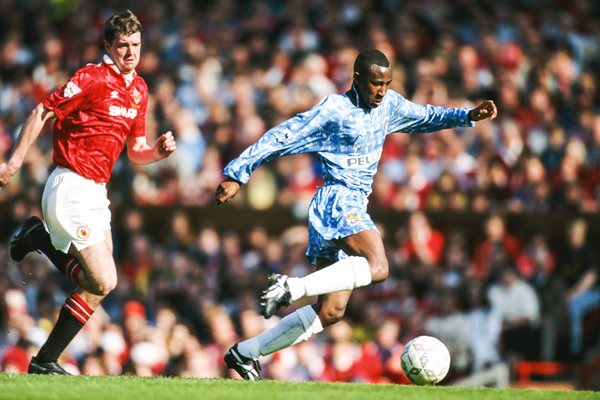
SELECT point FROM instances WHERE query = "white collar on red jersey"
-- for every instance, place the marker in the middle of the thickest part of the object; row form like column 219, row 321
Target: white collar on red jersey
column 128, row 77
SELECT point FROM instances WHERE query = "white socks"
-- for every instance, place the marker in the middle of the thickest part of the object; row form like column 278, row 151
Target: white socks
column 346, row 274
column 292, row 329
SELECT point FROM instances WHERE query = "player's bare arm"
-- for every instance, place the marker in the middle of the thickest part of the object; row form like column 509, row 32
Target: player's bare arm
column 485, row 110
column 140, row 152
column 31, row 130
column 226, row 190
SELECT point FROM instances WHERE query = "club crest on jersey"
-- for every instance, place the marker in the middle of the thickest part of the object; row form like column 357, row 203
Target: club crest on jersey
column 137, row 97
column 352, row 218
column 83, row 232
column 71, row 90
column 117, row 111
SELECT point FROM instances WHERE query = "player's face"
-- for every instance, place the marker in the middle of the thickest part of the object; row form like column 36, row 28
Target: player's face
column 125, row 51
column 373, row 85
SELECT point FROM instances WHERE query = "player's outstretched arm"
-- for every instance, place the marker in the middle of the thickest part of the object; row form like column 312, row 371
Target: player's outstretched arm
column 31, row 130
column 226, row 190
column 485, row 110
column 139, row 152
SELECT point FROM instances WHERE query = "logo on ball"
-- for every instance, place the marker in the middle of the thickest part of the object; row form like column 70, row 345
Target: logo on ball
column 425, row 360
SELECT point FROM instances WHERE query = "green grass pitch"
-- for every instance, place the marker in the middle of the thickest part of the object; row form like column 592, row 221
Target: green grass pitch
column 23, row 387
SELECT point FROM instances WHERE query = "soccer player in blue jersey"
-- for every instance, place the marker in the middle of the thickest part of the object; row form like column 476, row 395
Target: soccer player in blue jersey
column 346, row 133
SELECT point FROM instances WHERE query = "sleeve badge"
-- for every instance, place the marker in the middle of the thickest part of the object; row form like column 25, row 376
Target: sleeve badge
column 71, row 90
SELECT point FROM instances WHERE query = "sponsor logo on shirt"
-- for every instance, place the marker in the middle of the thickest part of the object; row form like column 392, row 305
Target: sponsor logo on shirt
column 363, row 161
column 71, row 90
column 117, row 111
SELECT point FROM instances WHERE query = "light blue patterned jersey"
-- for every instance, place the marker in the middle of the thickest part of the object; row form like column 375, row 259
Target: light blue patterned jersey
column 346, row 138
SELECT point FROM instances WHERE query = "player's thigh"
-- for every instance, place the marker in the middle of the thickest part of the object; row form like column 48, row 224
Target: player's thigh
column 365, row 243
column 368, row 244
column 109, row 241
column 98, row 263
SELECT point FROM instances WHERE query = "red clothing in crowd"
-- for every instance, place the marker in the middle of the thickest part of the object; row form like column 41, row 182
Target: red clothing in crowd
column 484, row 254
column 435, row 244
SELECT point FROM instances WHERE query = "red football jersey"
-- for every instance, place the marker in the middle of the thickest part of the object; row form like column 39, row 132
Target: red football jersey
column 96, row 111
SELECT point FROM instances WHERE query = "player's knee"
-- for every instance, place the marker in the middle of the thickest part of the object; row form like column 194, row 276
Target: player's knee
column 106, row 285
column 379, row 269
column 106, row 289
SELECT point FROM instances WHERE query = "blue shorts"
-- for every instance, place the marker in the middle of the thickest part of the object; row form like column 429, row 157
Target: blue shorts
column 335, row 212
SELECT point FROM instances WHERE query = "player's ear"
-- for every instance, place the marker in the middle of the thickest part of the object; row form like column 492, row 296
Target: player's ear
column 106, row 46
column 355, row 77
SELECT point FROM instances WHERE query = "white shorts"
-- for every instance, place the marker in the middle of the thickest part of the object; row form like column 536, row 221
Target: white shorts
column 75, row 209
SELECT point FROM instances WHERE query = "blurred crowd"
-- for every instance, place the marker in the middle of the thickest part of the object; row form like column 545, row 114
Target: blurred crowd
column 182, row 302
column 222, row 72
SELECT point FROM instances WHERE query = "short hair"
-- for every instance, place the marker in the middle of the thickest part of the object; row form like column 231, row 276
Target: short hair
column 370, row 57
column 124, row 22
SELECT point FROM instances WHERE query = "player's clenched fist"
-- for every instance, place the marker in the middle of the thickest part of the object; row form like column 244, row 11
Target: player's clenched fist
column 165, row 145
column 485, row 110
column 6, row 173
column 226, row 191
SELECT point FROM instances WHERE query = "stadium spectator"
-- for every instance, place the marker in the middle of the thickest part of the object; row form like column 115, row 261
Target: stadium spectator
column 485, row 328
column 14, row 359
column 450, row 325
column 517, row 304
column 347, row 361
column 497, row 247
column 537, row 265
column 577, row 271
column 424, row 245
column 389, row 348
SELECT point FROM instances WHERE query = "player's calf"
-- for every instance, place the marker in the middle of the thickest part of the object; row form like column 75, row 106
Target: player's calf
column 72, row 317
column 331, row 315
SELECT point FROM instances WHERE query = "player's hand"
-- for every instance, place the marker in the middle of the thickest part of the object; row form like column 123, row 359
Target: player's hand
column 7, row 171
column 226, row 191
column 165, row 145
column 485, row 110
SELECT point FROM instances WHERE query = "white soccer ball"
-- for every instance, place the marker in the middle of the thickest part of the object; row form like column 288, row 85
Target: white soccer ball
column 425, row 360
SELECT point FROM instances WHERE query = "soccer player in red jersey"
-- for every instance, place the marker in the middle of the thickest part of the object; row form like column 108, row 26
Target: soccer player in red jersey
column 99, row 110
